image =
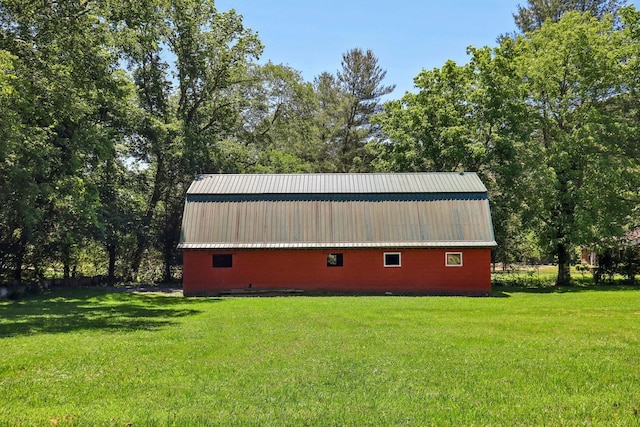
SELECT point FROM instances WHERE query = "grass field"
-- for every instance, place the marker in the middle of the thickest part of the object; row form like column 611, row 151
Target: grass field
column 91, row 357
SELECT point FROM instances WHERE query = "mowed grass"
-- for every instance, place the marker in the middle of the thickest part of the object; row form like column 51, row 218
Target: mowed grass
column 90, row 357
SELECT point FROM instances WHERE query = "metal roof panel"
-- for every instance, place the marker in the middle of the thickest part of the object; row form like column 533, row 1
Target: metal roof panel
column 337, row 210
column 348, row 183
column 299, row 223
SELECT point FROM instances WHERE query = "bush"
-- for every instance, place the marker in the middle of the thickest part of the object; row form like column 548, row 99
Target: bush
column 528, row 279
column 623, row 261
column 14, row 291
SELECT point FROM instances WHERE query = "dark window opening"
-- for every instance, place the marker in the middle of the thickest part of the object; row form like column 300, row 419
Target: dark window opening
column 334, row 260
column 392, row 259
column 223, row 261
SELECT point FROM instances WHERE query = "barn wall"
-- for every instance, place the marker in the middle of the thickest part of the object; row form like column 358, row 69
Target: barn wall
column 421, row 271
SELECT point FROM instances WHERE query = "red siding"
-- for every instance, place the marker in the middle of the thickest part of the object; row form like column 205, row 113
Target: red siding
column 422, row 271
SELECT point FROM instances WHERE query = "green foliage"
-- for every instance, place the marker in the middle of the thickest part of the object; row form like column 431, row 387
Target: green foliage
column 623, row 261
column 277, row 123
column 109, row 108
column 548, row 119
column 347, row 102
column 469, row 117
column 156, row 359
column 522, row 280
column 578, row 155
column 58, row 128
column 538, row 12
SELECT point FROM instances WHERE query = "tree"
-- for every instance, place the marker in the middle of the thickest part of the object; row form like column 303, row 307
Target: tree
column 430, row 129
column 464, row 117
column 328, row 118
column 10, row 135
column 187, row 116
column 277, row 121
column 532, row 17
column 63, row 79
column 360, row 82
column 121, row 205
column 548, row 119
column 575, row 75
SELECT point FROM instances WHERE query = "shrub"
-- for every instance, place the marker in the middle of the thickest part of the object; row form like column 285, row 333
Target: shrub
column 528, row 279
column 624, row 261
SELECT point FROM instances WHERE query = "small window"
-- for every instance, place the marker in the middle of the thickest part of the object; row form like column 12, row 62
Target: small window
column 453, row 259
column 223, row 261
column 334, row 260
column 392, row 259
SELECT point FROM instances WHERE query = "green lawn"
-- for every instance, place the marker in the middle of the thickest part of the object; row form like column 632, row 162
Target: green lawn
column 90, row 357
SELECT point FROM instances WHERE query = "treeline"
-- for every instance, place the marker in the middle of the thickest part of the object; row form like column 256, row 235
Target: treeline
column 109, row 108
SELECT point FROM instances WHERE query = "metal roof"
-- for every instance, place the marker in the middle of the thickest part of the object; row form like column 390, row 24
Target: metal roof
column 463, row 182
column 352, row 211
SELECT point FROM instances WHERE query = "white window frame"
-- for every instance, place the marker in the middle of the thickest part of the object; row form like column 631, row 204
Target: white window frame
column 446, row 259
column 384, row 259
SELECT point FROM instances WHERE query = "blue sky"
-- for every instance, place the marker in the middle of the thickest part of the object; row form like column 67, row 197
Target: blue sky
column 405, row 35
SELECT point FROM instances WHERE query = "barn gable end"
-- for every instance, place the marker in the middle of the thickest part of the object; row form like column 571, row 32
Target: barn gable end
column 280, row 231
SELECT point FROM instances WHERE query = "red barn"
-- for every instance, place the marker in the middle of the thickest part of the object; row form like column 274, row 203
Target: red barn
column 419, row 233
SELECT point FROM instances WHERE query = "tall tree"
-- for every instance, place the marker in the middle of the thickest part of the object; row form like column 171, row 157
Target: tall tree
column 121, row 206
column 361, row 82
column 430, row 129
column 464, row 117
column 531, row 17
column 575, row 73
column 186, row 116
column 549, row 119
column 64, row 79
column 277, row 121
column 329, row 118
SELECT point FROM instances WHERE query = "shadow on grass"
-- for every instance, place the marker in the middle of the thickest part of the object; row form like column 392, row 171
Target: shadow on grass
column 91, row 309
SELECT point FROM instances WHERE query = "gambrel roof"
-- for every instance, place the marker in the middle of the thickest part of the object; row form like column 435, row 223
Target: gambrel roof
column 337, row 211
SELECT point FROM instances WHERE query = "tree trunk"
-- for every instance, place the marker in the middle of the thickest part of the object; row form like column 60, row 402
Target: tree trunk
column 111, row 273
column 19, row 261
column 167, row 277
column 167, row 255
column 171, row 238
column 66, row 263
column 136, row 259
column 564, row 272
column 564, row 222
column 142, row 234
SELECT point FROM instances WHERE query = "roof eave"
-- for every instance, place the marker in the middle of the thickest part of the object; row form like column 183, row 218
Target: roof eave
column 337, row 245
